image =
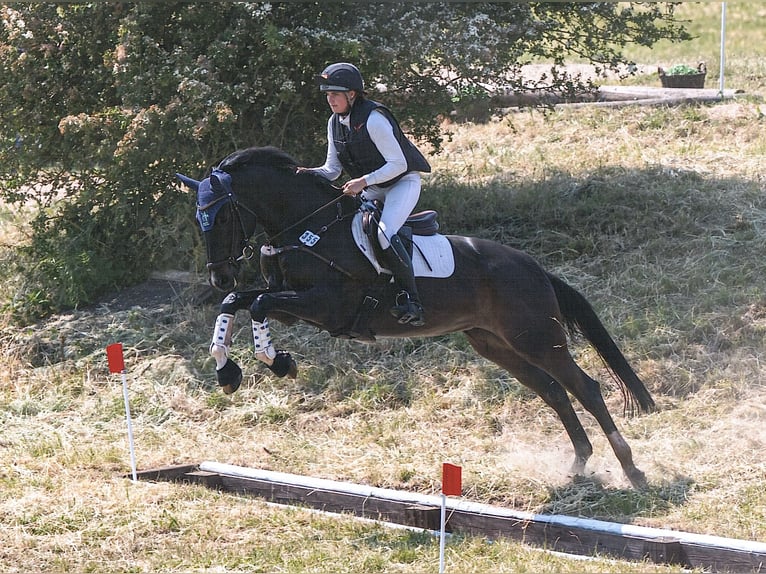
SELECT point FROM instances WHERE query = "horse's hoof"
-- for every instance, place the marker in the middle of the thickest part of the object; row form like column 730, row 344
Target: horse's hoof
column 229, row 377
column 284, row 365
column 638, row 480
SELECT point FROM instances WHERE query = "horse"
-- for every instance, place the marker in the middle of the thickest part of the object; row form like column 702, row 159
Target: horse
column 511, row 310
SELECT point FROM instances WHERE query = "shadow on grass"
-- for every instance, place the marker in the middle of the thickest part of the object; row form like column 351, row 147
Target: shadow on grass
column 586, row 496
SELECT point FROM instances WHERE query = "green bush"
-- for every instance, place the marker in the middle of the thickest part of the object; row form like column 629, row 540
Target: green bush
column 101, row 103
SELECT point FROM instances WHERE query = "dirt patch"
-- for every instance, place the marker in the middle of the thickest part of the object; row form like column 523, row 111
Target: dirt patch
column 160, row 289
column 130, row 315
column 154, row 293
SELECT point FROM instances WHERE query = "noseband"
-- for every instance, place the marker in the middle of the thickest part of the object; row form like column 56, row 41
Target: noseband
column 248, row 250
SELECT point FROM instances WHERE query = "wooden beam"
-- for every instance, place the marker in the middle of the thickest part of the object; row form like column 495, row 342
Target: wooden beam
column 166, row 473
column 581, row 536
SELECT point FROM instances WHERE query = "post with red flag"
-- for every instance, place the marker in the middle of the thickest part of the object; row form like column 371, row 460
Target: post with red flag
column 451, row 486
column 117, row 365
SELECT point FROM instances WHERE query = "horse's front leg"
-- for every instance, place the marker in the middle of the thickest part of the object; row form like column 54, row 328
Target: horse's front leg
column 227, row 372
column 310, row 306
column 280, row 362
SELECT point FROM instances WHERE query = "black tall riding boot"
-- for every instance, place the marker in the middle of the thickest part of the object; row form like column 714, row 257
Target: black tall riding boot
column 407, row 308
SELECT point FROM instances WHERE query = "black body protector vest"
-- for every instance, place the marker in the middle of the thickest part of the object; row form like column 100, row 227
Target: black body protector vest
column 357, row 152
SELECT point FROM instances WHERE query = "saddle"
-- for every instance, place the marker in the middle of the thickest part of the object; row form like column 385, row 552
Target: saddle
column 421, row 223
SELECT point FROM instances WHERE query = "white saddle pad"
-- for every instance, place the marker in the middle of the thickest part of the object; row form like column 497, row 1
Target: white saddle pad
column 432, row 255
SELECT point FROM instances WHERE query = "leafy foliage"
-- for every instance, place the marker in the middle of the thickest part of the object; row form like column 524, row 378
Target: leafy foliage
column 681, row 70
column 101, row 103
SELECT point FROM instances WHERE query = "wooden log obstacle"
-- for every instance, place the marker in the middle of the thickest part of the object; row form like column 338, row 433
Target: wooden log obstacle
column 581, row 536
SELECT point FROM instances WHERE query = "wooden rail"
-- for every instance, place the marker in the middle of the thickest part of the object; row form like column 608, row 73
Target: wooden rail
column 580, row 536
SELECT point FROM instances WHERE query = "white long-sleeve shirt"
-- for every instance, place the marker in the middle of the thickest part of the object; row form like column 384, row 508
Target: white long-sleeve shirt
column 382, row 135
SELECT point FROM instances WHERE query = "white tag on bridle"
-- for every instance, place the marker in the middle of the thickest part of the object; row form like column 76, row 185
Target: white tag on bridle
column 309, row 239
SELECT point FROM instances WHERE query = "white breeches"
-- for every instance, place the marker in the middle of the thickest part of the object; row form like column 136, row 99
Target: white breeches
column 398, row 202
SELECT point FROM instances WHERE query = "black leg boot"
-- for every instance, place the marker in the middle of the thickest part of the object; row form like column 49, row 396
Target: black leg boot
column 407, row 308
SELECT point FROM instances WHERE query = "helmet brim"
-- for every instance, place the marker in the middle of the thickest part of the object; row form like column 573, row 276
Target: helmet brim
column 331, row 88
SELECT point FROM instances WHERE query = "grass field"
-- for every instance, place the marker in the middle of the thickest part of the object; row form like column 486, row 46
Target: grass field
column 657, row 214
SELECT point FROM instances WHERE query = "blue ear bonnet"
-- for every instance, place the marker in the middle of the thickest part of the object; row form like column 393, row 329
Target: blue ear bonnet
column 212, row 194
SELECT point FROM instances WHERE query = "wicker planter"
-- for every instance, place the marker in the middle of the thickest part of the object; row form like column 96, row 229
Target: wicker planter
column 684, row 80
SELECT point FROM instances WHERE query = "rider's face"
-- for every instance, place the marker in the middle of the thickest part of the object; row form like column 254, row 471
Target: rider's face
column 340, row 102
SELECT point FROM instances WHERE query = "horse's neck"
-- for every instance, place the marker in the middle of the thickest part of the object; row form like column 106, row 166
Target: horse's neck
column 294, row 201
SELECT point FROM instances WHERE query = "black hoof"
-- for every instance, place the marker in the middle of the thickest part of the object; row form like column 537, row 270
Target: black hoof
column 638, row 479
column 284, row 365
column 229, row 377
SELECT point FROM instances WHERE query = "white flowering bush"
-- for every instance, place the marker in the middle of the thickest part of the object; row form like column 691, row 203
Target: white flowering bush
column 101, row 103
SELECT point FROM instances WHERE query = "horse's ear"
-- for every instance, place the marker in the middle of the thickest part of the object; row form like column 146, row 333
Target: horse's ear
column 189, row 182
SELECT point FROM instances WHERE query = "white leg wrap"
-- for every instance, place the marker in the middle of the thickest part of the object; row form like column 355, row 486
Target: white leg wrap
column 264, row 350
column 219, row 347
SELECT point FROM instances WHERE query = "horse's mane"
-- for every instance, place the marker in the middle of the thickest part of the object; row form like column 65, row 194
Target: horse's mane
column 273, row 157
column 268, row 156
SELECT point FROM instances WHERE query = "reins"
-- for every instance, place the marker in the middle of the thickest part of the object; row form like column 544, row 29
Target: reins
column 309, row 238
column 339, row 217
column 248, row 250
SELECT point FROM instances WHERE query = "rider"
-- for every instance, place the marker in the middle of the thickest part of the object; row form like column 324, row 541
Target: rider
column 365, row 140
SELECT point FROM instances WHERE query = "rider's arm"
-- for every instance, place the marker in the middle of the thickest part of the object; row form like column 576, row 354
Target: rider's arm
column 332, row 168
column 382, row 134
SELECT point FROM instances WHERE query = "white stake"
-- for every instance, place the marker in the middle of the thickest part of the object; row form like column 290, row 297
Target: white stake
column 130, row 426
column 117, row 365
column 442, row 533
column 723, row 48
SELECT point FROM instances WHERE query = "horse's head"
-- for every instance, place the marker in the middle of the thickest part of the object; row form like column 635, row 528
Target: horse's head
column 226, row 225
column 267, row 183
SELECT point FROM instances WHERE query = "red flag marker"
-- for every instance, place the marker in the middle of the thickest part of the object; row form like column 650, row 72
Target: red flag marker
column 451, row 486
column 452, row 479
column 115, row 358
column 117, row 365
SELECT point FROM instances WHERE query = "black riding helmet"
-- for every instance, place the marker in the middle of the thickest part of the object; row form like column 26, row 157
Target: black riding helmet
column 341, row 77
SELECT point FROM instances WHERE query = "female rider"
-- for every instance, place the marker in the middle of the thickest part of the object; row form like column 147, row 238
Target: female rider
column 365, row 140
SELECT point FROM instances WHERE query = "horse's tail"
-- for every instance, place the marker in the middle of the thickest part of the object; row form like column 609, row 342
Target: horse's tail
column 579, row 316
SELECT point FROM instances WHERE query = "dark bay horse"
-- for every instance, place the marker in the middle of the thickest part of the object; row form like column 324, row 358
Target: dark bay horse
column 512, row 311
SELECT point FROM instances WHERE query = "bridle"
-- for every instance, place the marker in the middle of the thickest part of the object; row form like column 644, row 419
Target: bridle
column 248, row 250
column 247, row 244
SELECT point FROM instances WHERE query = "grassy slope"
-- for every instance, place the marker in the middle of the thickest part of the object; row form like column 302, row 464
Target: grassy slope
column 657, row 215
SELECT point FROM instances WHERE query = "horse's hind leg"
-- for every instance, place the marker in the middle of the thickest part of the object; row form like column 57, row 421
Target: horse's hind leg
column 559, row 364
column 554, row 395
column 589, row 395
column 546, row 371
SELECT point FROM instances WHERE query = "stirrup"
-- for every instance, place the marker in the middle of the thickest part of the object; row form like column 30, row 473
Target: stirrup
column 408, row 311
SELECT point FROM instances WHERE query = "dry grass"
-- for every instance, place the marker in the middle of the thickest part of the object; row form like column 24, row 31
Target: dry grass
column 678, row 282
column 657, row 214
